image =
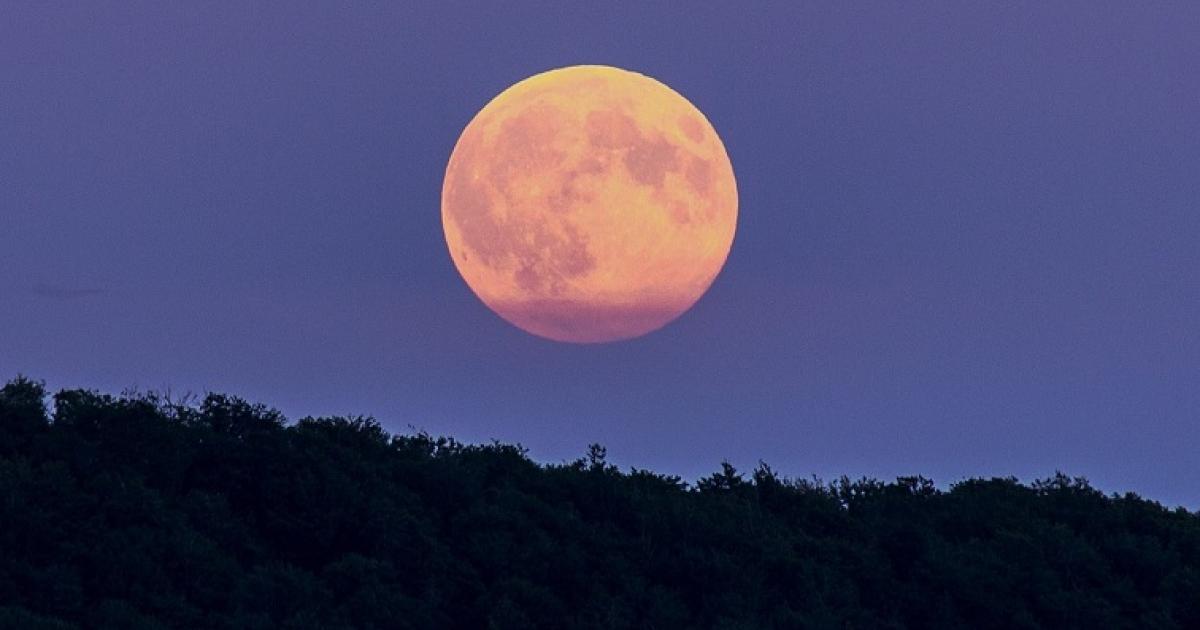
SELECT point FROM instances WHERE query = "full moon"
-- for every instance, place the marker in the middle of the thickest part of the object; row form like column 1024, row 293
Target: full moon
column 589, row 204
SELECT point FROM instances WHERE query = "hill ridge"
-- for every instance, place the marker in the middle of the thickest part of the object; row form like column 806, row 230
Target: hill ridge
column 136, row 511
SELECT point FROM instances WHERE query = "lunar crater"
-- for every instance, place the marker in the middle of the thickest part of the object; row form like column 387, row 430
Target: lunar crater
column 691, row 128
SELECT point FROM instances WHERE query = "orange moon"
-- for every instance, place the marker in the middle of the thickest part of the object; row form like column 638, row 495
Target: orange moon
column 589, row 204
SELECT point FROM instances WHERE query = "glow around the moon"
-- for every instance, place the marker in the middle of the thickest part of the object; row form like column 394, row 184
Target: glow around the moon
column 589, row 204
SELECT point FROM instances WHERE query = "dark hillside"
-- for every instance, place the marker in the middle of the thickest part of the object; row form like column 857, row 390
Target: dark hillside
column 134, row 512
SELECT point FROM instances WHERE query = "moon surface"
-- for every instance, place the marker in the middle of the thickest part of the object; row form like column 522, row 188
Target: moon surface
column 589, row 204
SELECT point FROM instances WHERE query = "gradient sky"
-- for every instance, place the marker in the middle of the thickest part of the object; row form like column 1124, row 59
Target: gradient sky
column 969, row 241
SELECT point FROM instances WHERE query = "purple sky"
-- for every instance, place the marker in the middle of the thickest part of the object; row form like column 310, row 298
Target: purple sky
column 969, row 241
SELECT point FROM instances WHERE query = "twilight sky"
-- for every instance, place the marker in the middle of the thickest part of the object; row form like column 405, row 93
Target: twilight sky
column 968, row 245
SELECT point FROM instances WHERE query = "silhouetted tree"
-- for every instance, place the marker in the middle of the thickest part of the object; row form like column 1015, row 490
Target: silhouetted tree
column 22, row 414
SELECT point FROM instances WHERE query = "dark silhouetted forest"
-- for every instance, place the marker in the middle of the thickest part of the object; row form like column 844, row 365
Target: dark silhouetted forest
column 140, row 512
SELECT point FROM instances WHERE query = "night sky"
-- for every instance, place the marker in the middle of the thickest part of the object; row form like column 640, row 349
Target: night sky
column 968, row 243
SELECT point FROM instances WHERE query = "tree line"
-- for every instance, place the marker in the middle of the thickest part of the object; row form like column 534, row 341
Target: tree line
column 137, row 511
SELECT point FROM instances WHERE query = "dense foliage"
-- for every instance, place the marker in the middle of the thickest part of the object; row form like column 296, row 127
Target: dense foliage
column 136, row 512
